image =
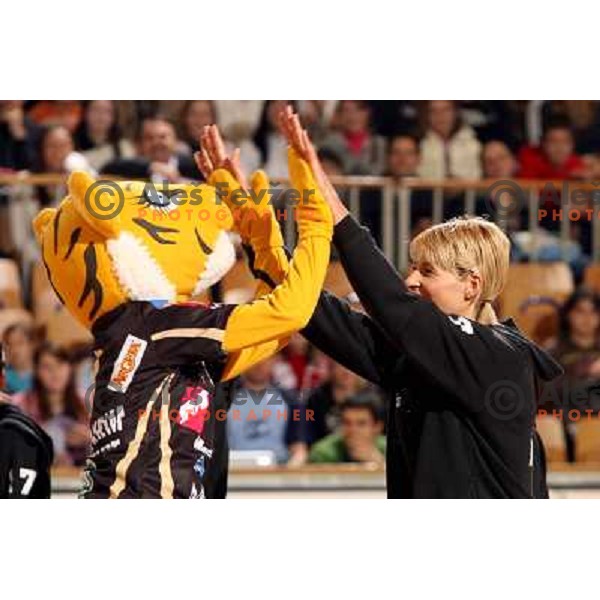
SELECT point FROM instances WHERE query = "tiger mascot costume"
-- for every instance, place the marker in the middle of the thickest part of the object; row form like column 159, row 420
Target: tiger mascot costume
column 158, row 416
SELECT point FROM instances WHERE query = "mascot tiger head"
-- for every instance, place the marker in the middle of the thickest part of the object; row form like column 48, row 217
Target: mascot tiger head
column 109, row 243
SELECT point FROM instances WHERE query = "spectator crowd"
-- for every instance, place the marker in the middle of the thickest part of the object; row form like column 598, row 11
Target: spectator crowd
column 341, row 416
column 440, row 138
column 433, row 140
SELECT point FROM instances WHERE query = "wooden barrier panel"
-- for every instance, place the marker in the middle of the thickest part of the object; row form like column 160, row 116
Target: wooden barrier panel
column 60, row 326
column 587, row 440
column 342, row 482
column 553, row 435
column 591, row 277
column 532, row 295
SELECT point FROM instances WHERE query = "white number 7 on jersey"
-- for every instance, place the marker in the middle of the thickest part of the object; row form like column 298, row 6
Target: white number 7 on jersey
column 28, row 475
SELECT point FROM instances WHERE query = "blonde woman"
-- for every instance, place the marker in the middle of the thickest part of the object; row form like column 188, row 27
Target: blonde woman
column 465, row 385
column 463, row 423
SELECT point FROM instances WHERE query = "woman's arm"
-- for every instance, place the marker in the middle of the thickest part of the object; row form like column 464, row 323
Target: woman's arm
column 447, row 350
column 289, row 307
column 353, row 340
column 349, row 337
column 455, row 353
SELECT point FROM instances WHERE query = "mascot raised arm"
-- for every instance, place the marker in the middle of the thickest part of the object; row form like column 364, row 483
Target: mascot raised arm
column 126, row 259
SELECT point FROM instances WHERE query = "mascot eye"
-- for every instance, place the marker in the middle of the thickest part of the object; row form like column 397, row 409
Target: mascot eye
column 162, row 201
column 152, row 197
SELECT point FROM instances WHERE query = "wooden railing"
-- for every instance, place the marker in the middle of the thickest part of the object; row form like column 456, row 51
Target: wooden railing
column 342, row 481
column 396, row 228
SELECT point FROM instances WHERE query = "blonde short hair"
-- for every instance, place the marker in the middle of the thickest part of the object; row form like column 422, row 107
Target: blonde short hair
column 466, row 245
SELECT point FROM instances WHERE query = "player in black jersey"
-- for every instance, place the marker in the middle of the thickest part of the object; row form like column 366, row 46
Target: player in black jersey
column 26, row 450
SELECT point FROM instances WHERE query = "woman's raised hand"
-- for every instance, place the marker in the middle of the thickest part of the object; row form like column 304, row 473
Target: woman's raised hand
column 212, row 156
column 299, row 140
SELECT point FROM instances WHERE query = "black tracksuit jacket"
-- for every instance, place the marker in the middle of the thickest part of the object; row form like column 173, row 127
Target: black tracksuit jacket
column 462, row 424
column 26, row 454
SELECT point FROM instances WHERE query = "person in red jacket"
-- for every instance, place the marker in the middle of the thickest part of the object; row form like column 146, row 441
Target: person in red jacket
column 555, row 158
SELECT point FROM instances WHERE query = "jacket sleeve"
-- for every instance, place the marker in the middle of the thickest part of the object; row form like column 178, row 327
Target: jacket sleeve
column 255, row 222
column 446, row 349
column 5, row 463
column 262, row 239
column 268, row 260
column 353, row 340
column 23, row 470
column 347, row 336
column 288, row 308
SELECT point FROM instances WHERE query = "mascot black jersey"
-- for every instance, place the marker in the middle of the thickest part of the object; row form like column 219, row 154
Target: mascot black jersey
column 155, row 392
column 115, row 253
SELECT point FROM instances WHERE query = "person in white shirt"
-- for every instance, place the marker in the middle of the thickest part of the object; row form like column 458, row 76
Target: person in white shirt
column 449, row 147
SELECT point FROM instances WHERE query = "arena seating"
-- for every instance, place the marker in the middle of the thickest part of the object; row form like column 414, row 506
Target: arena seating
column 535, row 313
column 532, row 295
column 59, row 326
column 238, row 285
column 591, row 277
column 552, row 433
column 587, row 441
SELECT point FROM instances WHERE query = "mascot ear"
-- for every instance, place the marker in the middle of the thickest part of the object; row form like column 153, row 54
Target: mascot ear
column 98, row 203
column 41, row 221
column 259, row 181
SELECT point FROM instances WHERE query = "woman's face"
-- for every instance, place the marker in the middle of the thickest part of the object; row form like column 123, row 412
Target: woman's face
column 442, row 116
column 275, row 107
column 54, row 374
column 58, row 144
column 199, row 114
column 19, row 350
column 450, row 293
column 583, row 318
column 354, row 118
column 100, row 116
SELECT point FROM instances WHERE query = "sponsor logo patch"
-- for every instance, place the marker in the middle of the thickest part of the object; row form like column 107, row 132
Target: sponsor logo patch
column 193, row 409
column 200, row 446
column 107, row 424
column 127, row 363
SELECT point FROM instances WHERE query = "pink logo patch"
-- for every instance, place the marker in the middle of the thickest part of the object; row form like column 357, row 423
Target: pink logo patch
column 193, row 411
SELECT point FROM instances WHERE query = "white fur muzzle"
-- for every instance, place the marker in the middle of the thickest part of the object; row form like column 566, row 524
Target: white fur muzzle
column 142, row 278
column 137, row 271
column 219, row 262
